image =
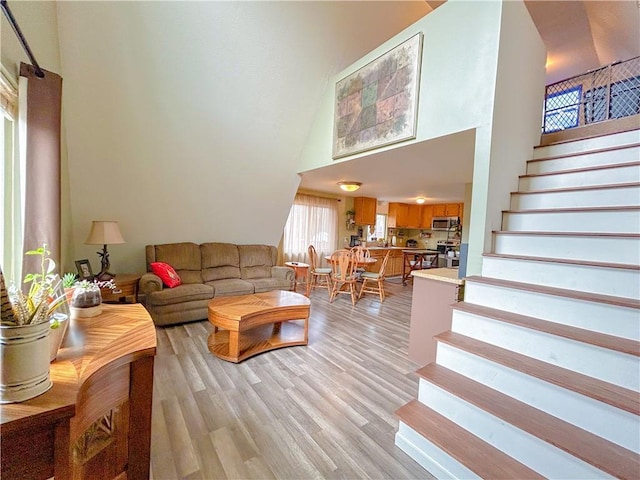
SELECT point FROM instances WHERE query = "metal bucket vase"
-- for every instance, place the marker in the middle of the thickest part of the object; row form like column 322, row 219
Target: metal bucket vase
column 24, row 362
column 56, row 336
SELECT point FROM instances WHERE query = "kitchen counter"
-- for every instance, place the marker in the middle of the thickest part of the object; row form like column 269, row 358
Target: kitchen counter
column 449, row 275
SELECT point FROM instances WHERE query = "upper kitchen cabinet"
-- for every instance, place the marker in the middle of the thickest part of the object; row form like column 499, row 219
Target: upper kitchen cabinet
column 413, row 215
column 426, row 216
column 365, row 208
column 397, row 216
column 447, row 210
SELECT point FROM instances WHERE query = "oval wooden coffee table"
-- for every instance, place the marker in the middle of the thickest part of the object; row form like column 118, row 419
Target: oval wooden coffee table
column 257, row 323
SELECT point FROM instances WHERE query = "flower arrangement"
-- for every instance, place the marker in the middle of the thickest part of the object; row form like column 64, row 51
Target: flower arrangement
column 44, row 295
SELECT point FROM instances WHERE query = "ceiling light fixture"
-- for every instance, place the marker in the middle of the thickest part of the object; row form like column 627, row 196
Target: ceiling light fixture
column 349, row 186
column 421, row 200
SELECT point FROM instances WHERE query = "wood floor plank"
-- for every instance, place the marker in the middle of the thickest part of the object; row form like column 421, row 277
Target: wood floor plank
column 325, row 410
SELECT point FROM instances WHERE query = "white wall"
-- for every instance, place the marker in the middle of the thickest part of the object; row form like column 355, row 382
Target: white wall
column 469, row 46
column 514, row 129
column 186, row 120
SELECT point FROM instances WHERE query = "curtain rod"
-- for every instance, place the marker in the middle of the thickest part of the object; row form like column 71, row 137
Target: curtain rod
column 23, row 41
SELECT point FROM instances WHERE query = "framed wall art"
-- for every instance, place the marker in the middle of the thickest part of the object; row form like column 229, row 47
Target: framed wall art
column 377, row 105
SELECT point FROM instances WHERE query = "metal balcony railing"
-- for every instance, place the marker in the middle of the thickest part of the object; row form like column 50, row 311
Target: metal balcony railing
column 604, row 94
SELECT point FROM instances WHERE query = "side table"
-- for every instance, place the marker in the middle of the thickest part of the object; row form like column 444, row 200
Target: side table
column 301, row 272
column 126, row 290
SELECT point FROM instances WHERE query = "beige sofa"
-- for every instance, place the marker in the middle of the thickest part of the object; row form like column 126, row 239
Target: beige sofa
column 208, row 270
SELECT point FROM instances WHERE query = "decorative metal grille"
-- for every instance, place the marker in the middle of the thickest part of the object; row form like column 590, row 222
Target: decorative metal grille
column 604, row 94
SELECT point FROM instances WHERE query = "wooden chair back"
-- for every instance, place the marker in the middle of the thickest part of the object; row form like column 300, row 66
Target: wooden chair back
column 383, row 267
column 360, row 252
column 343, row 266
column 313, row 257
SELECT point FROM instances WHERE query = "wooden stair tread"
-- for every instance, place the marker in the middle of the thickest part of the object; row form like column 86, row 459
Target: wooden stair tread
column 618, row 344
column 578, row 189
column 477, row 455
column 584, row 152
column 575, row 209
column 599, row 390
column 558, row 292
column 591, row 168
column 590, row 448
column 566, row 234
column 622, row 266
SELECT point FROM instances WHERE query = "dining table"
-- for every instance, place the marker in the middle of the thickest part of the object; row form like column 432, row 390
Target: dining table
column 360, row 262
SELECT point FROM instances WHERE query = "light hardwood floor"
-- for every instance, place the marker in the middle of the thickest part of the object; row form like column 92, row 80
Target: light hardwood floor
column 319, row 411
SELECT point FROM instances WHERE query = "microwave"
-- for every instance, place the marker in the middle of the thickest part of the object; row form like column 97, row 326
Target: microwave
column 444, row 223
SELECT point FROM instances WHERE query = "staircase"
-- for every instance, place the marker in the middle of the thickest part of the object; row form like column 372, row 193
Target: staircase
column 539, row 376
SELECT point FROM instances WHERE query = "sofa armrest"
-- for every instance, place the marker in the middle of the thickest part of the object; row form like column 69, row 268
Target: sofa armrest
column 286, row 273
column 149, row 282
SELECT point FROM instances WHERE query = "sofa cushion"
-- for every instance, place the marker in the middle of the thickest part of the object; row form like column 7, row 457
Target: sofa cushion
column 220, row 261
column 268, row 284
column 256, row 260
column 180, row 294
column 166, row 272
column 231, row 286
column 183, row 257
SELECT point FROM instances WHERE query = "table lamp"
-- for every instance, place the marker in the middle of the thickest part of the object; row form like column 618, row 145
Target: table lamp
column 104, row 233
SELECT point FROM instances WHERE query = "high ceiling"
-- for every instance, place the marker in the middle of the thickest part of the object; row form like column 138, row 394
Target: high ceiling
column 579, row 36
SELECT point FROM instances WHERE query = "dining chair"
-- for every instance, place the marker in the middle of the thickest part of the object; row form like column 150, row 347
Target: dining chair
column 374, row 282
column 343, row 277
column 360, row 252
column 318, row 273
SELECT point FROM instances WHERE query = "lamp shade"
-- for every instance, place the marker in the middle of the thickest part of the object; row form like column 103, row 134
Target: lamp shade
column 104, row 233
column 349, row 186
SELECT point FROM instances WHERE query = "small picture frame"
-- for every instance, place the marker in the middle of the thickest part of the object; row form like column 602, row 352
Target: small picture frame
column 84, row 269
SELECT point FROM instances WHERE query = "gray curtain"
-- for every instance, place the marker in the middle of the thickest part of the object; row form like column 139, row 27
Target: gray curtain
column 42, row 180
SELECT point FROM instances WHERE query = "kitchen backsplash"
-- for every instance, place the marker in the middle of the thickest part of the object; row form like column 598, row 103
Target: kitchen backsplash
column 403, row 234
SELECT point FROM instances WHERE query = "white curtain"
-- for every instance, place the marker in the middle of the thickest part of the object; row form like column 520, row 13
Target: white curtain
column 312, row 221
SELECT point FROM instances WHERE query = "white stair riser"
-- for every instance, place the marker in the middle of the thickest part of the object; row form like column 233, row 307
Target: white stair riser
column 607, row 221
column 606, row 176
column 597, row 143
column 613, row 424
column 622, row 250
column 601, row 197
column 429, row 456
column 529, row 450
column 610, row 157
column 598, row 317
column 607, row 365
column 606, row 281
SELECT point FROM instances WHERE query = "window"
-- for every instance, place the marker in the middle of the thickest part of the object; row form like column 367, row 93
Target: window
column 624, row 100
column 11, row 184
column 562, row 109
column 312, row 221
column 380, row 228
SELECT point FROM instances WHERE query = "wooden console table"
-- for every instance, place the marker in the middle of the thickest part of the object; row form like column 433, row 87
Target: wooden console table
column 264, row 319
column 95, row 422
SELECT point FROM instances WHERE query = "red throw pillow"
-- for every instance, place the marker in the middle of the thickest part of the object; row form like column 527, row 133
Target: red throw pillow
column 166, row 272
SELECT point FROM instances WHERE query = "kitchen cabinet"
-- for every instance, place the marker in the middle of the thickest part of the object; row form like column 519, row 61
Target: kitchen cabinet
column 426, row 217
column 365, row 208
column 447, row 210
column 394, row 264
column 413, row 216
column 397, row 216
